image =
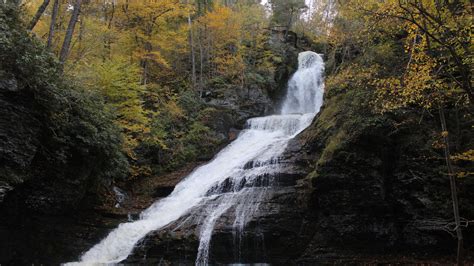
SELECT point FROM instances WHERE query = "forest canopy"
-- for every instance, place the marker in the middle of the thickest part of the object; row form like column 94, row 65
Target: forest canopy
column 146, row 58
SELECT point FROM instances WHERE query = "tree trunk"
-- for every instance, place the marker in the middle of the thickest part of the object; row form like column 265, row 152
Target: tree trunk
column 80, row 36
column 38, row 14
column 193, row 56
column 52, row 25
column 108, row 19
column 69, row 32
column 452, row 182
column 144, row 61
column 201, row 58
column 288, row 26
column 144, row 64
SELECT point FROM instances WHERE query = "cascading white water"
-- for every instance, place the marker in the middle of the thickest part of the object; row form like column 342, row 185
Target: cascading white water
column 235, row 179
column 305, row 88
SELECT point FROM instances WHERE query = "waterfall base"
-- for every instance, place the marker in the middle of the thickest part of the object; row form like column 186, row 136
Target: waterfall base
column 276, row 234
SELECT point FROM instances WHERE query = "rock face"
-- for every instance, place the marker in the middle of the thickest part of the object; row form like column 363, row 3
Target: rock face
column 33, row 211
column 353, row 188
column 380, row 188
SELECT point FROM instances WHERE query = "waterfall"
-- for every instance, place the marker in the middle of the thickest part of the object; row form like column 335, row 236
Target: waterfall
column 235, row 180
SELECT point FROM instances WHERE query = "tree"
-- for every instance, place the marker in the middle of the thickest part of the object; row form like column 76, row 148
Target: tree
column 446, row 26
column 38, row 14
column 70, row 31
column 224, row 36
column 119, row 83
column 193, row 53
column 146, row 19
column 286, row 12
column 52, row 24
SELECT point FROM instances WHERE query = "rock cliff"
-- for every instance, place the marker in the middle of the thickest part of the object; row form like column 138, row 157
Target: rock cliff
column 58, row 151
column 356, row 186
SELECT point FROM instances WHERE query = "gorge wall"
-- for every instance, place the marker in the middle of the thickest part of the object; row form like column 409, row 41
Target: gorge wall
column 356, row 186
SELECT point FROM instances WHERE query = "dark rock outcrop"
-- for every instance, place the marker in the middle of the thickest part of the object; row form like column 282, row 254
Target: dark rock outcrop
column 58, row 152
column 380, row 191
